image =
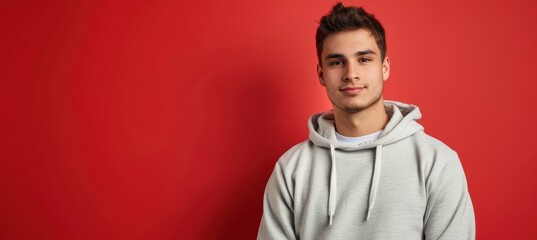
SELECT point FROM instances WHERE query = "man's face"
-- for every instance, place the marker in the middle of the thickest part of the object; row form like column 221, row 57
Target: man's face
column 352, row 70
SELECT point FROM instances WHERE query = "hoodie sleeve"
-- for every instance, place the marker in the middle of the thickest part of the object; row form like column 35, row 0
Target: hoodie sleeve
column 278, row 217
column 449, row 213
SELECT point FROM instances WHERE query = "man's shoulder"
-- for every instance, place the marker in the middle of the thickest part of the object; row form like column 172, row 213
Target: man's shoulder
column 423, row 139
column 302, row 150
column 430, row 148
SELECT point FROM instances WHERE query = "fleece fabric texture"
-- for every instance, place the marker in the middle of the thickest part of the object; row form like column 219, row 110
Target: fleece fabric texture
column 403, row 185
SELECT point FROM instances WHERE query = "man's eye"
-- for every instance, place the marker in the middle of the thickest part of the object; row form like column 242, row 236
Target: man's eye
column 336, row 63
column 364, row 60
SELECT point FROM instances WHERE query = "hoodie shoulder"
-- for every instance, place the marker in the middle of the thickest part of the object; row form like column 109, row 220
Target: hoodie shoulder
column 426, row 141
column 295, row 153
column 440, row 164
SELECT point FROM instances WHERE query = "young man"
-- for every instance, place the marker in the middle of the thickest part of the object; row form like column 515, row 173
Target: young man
column 368, row 170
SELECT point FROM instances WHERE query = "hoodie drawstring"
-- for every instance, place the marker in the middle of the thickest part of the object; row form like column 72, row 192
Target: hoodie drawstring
column 372, row 191
column 333, row 185
column 375, row 181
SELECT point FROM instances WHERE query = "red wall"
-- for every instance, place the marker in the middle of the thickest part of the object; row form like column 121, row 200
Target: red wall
column 144, row 120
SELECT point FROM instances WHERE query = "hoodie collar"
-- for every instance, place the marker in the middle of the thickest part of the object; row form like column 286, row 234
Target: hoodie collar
column 402, row 124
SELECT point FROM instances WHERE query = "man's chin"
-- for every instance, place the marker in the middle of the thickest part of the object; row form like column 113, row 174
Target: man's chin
column 358, row 107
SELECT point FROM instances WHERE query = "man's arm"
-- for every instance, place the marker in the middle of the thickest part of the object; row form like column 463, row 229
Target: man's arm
column 449, row 213
column 278, row 218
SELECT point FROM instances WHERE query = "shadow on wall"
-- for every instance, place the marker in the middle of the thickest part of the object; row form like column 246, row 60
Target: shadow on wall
column 237, row 137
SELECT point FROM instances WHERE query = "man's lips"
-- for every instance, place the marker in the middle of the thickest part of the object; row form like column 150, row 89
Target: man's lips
column 352, row 90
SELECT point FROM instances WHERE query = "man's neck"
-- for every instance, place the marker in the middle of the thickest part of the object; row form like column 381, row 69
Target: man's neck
column 367, row 121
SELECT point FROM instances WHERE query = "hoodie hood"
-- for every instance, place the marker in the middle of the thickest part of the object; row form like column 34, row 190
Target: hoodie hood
column 402, row 124
column 322, row 132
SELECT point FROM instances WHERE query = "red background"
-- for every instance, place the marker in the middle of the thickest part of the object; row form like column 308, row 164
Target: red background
column 163, row 120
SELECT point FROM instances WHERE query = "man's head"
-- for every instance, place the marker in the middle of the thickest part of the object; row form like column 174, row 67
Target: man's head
column 352, row 59
column 343, row 18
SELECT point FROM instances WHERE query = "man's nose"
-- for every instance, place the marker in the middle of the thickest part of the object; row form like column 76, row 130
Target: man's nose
column 351, row 72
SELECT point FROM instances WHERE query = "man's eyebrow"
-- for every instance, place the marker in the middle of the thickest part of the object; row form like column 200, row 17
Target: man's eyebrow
column 365, row 52
column 334, row 55
column 359, row 53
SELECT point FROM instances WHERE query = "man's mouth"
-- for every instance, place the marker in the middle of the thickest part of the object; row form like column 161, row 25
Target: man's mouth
column 352, row 90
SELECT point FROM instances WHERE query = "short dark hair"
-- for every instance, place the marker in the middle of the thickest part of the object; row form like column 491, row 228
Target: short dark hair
column 343, row 18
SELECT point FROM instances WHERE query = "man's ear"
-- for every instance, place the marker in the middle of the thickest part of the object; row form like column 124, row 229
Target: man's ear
column 386, row 68
column 320, row 75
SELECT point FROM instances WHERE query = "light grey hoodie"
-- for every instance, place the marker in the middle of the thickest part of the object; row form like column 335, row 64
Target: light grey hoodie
column 403, row 185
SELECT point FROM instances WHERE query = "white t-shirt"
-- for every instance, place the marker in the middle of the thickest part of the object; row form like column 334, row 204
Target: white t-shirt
column 357, row 140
